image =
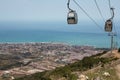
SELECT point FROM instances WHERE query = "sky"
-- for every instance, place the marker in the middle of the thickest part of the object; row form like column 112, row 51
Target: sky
column 47, row 11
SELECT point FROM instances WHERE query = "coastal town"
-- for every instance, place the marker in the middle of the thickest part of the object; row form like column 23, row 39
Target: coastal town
column 20, row 59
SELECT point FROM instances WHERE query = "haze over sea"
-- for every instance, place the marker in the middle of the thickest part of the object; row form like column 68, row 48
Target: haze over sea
column 53, row 34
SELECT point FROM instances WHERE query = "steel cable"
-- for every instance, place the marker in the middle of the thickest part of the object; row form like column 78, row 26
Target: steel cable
column 99, row 10
column 88, row 15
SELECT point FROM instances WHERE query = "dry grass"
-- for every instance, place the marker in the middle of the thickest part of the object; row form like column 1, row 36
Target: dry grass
column 99, row 73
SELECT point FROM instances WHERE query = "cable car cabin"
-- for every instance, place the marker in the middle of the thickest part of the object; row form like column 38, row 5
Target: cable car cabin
column 108, row 26
column 72, row 17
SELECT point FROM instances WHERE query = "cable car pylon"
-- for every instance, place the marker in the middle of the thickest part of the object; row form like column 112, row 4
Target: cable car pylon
column 112, row 40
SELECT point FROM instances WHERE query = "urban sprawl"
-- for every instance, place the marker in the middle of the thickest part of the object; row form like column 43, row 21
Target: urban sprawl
column 29, row 58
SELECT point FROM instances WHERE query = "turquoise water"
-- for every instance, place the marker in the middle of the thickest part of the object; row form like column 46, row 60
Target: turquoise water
column 74, row 38
column 81, row 34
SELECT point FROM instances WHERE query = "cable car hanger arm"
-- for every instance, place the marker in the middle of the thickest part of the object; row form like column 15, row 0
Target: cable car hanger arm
column 112, row 10
column 68, row 5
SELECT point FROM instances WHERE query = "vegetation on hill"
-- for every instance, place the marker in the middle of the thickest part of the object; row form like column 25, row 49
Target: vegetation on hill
column 94, row 74
column 9, row 61
column 119, row 50
column 66, row 72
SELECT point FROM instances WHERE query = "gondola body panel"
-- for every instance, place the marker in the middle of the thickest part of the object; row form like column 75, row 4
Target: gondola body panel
column 72, row 17
column 108, row 26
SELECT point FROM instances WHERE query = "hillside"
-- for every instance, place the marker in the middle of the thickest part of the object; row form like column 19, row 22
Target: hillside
column 93, row 67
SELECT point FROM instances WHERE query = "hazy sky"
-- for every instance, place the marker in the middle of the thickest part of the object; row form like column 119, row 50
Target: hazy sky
column 50, row 10
column 55, row 10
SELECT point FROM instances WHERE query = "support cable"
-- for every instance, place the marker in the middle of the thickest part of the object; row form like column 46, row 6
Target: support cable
column 110, row 6
column 99, row 10
column 88, row 15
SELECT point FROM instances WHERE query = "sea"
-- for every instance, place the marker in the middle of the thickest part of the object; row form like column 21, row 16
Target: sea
column 23, row 32
column 98, row 40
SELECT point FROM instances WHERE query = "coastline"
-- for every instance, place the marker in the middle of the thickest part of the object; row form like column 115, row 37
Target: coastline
column 98, row 40
column 48, row 43
column 39, row 57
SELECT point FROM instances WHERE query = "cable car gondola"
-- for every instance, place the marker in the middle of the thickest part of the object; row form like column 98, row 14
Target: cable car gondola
column 108, row 25
column 72, row 17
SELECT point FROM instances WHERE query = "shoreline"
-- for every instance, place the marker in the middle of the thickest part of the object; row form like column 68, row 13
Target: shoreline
column 63, row 43
column 35, row 57
column 71, row 38
column 47, row 43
